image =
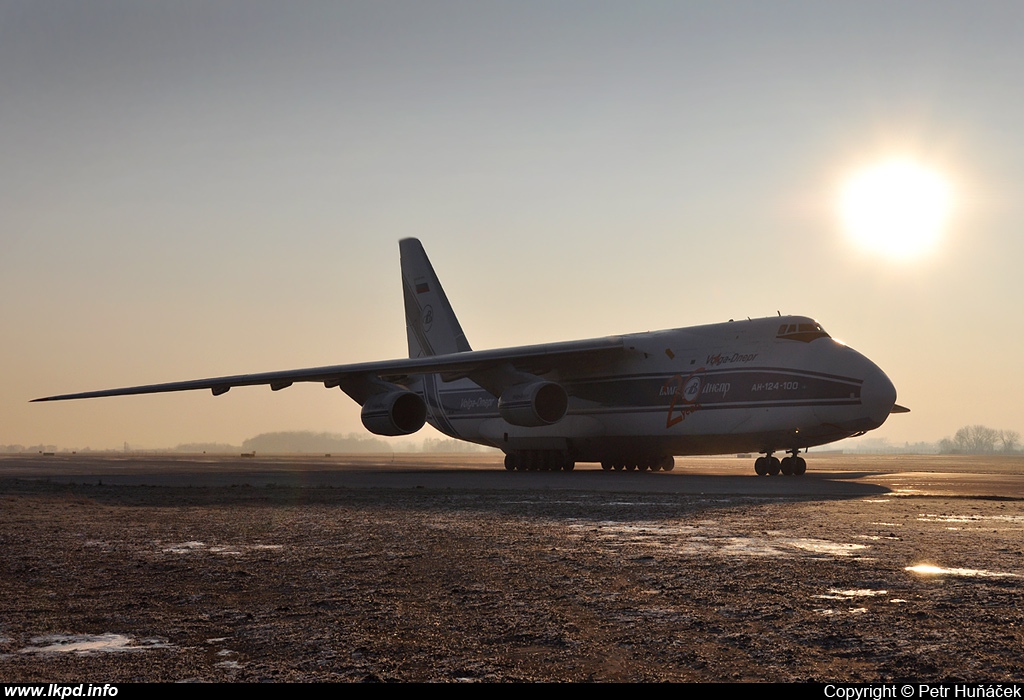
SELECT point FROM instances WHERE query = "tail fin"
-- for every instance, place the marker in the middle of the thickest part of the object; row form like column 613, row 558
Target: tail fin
column 429, row 319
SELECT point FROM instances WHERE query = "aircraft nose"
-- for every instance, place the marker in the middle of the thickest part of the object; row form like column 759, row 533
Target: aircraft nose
column 877, row 395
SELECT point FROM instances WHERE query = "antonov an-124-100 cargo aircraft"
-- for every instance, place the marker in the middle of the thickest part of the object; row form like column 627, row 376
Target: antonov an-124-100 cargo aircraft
column 630, row 402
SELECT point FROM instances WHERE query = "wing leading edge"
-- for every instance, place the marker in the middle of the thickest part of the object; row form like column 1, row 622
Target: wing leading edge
column 532, row 359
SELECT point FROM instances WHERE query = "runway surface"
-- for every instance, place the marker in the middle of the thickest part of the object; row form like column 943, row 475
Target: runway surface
column 439, row 568
column 837, row 476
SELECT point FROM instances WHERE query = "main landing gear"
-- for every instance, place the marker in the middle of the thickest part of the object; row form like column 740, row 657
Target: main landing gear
column 790, row 466
column 539, row 461
column 555, row 460
column 664, row 463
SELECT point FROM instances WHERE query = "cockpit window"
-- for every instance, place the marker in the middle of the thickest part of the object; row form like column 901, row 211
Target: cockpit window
column 804, row 332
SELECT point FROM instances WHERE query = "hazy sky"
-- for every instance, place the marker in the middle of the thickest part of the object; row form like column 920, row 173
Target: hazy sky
column 192, row 189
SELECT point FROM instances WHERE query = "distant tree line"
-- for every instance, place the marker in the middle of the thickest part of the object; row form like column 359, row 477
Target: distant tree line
column 287, row 442
column 449, row 445
column 980, row 439
column 293, row 442
column 204, row 447
column 18, row 449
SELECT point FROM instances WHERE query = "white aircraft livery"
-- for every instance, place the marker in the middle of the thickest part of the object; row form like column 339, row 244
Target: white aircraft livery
column 630, row 402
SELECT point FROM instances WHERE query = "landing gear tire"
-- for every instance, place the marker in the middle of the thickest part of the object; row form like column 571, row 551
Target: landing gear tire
column 774, row 466
column 511, row 462
column 761, row 466
column 607, row 466
column 799, row 466
column 787, row 466
column 667, row 463
column 531, row 461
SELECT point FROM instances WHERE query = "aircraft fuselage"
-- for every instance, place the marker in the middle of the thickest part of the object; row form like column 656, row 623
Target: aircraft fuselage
column 742, row 386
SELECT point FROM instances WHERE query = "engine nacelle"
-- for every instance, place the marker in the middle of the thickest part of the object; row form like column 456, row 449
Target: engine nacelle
column 395, row 413
column 533, row 404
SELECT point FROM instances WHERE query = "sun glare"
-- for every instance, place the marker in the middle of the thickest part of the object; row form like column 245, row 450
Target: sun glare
column 898, row 208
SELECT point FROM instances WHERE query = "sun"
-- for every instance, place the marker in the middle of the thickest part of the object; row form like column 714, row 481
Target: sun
column 897, row 207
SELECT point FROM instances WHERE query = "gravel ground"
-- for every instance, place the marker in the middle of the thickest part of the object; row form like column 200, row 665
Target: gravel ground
column 281, row 583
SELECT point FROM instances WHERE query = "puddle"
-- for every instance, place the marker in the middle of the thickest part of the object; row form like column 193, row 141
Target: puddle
column 837, row 594
column 691, row 540
column 748, row 547
column 932, row 570
column 930, row 517
column 185, row 547
column 233, row 665
column 86, row 643
column 196, row 547
column 848, row 611
column 835, row 549
column 646, row 529
column 581, row 500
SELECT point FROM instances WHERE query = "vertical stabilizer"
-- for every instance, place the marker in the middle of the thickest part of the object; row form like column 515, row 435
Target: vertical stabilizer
column 429, row 319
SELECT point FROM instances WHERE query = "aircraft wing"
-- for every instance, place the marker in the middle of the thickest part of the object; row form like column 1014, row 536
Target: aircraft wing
column 532, row 359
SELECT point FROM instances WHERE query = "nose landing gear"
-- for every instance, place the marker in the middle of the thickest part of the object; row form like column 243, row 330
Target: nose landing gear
column 789, row 466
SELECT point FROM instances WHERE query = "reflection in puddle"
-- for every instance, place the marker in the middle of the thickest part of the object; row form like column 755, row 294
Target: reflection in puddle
column 932, row 570
column 86, row 643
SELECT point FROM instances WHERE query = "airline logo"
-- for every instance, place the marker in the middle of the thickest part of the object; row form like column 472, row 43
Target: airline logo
column 691, row 390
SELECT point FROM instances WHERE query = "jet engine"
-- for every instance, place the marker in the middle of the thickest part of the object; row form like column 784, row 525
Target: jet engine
column 533, row 404
column 394, row 413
